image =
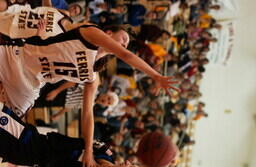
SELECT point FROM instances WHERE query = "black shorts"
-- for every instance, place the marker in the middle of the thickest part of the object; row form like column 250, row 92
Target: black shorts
column 21, row 144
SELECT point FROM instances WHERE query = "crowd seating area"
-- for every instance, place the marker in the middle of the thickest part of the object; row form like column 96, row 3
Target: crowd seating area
column 173, row 36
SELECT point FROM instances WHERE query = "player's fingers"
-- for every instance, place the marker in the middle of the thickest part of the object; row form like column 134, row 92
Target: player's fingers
column 157, row 91
column 85, row 164
column 173, row 82
column 168, row 92
column 44, row 21
column 174, row 88
column 171, row 79
column 40, row 24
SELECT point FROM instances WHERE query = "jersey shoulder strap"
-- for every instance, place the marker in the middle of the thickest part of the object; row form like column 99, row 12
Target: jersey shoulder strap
column 86, row 43
column 67, row 36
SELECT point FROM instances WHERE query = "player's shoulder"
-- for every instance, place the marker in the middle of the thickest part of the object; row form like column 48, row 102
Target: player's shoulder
column 88, row 26
column 15, row 8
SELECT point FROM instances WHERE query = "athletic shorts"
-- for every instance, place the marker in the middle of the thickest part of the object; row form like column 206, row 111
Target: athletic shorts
column 21, row 144
column 16, row 90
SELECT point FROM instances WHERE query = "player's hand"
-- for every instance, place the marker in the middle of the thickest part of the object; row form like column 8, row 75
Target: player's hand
column 166, row 83
column 88, row 160
column 51, row 96
column 41, row 26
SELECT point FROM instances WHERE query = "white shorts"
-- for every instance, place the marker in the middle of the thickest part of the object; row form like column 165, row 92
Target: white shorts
column 17, row 92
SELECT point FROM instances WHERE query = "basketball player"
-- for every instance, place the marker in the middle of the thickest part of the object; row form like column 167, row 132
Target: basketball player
column 70, row 56
column 57, row 151
column 21, row 21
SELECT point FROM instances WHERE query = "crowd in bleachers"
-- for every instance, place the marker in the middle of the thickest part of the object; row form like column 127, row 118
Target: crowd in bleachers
column 174, row 37
column 175, row 47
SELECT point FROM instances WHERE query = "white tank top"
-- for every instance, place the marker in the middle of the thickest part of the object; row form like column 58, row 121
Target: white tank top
column 20, row 21
column 24, row 70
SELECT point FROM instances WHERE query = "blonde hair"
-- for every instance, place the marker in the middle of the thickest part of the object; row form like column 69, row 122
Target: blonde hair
column 115, row 97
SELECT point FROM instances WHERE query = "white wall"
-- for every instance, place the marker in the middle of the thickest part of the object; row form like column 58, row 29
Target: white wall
column 229, row 140
column 252, row 162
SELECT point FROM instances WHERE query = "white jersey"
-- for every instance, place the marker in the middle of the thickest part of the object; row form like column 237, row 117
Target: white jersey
column 20, row 21
column 23, row 70
column 16, row 8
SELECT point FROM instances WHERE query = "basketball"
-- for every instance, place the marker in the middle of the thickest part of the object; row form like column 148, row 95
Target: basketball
column 156, row 150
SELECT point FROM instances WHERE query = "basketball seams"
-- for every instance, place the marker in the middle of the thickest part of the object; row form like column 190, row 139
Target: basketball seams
column 151, row 136
column 163, row 153
column 144, row 146
column 153, row 145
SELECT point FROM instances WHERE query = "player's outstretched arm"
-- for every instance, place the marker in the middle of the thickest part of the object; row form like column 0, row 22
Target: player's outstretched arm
column 99, row 38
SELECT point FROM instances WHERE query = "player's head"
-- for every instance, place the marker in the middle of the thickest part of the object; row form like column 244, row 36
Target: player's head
column 119, row 34
column 75, row 10
column 3, row 5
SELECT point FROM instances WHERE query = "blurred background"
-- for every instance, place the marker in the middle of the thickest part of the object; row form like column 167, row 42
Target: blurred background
column 207, row 45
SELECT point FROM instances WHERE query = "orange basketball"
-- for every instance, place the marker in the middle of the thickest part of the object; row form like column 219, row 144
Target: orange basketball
column 156, row 150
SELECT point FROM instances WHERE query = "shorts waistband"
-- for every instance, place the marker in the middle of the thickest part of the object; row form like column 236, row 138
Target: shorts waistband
column 11, row 113
column 10, row 122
